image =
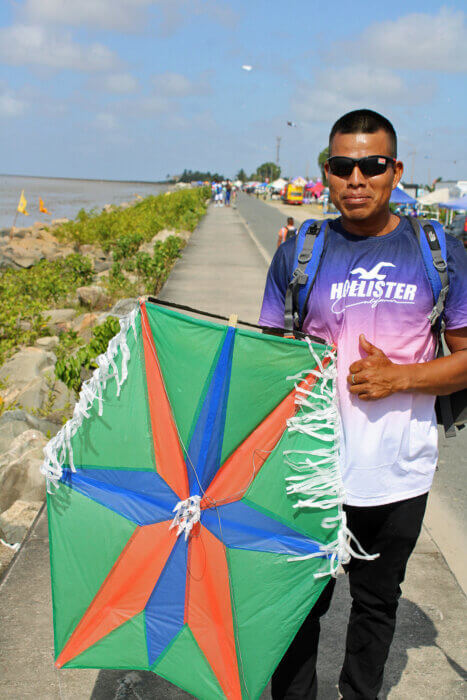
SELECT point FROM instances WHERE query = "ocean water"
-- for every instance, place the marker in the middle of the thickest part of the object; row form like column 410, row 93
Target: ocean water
column 64, row 197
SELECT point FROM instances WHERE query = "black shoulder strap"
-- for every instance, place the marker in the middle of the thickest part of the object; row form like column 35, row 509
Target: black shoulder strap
column 299, row 278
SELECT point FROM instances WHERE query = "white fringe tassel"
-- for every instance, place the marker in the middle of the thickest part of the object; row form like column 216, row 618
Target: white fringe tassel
column 318, row 477
column 57, row 448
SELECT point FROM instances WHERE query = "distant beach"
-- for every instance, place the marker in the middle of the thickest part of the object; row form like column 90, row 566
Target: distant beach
column 64, row 197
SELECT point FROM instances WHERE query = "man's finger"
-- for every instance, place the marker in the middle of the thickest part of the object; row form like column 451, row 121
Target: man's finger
column 368, row 347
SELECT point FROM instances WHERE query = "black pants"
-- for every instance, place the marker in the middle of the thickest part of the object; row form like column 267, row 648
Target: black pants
column 392, row 530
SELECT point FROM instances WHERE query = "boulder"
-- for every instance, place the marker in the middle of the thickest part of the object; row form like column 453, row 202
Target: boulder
column 59, row 320
column 13, row 423
column 26, row 365
column 20, row 478
column 26, row 247
column 59, row 222
column 6, row 555
column 48, row 342
column 16, row 521
column 83, row 325
column 93, row 296
column 123, row 307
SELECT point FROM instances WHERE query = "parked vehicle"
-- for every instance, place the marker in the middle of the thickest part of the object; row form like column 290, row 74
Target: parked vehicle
column 293, row 194
column 458, row 228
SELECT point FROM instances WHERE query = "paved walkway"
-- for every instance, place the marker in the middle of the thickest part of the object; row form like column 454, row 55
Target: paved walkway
column 223, row 270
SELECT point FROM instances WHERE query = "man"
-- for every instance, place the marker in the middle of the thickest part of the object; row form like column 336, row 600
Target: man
column 228, row 192
column 387, row 382
column 286, row 232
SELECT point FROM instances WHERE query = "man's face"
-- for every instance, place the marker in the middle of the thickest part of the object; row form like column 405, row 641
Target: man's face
column 357, row 197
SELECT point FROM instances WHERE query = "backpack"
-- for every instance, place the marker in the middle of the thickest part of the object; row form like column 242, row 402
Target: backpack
column 311, row 240
column 291, row 233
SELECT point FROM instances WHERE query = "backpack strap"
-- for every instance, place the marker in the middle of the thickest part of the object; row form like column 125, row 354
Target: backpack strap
column 309, row 248
column 432, row 241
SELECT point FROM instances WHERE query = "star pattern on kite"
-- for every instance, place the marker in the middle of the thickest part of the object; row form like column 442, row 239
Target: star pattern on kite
column 178, row 580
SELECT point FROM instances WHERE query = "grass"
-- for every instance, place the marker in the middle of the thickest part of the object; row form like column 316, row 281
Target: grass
column 27, row 294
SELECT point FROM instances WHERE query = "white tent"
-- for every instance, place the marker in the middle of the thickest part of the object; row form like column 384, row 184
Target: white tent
column 299, row 181
column 279, row 183
column 435, row 197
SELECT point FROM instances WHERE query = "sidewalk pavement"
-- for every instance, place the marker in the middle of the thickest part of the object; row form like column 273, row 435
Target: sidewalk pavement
column 223, row 270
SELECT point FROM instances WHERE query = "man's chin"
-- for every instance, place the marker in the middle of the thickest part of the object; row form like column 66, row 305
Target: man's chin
column 356, row 213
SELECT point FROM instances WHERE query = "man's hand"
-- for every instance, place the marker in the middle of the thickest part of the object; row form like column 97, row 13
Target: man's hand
column 375, row 376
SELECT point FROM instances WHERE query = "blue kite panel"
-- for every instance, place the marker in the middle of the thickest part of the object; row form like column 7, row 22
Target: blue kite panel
column 205, row 447
column 142, row 497
column 240, row 526
column 165, row 610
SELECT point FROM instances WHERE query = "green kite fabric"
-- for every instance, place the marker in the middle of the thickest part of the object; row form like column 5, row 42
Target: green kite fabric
column 195, row 503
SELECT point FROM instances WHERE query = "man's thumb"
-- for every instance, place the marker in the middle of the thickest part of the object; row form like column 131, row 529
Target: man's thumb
column 366, row 345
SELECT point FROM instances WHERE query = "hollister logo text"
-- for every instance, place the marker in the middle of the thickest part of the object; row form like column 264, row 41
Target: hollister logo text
column 370, row 287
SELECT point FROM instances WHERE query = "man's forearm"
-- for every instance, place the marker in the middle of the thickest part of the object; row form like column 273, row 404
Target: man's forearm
column 440, row 377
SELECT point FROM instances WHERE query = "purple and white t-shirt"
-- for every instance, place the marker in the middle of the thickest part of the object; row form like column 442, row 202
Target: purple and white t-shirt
column 377, row 286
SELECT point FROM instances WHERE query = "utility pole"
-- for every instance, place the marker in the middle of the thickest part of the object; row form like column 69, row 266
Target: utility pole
column 278, row 148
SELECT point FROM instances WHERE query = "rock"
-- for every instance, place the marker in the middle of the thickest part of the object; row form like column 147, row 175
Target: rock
column 102, row 264
column 26, row 247
column 64, row 400
column 6, row 555
column 13, row 423
column 16, row 521
column 25, row 366
column 48, row 342
column 95, row 297
column 123, row 307
column 59, row 222
column 59, row 320
column 32, row 396
column 83, row 325
column 20, row 478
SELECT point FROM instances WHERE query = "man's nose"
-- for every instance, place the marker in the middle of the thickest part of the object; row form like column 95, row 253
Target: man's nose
column 356, row 179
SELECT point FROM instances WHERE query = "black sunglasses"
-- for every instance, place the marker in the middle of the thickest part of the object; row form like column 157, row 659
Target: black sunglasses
column 368, row 166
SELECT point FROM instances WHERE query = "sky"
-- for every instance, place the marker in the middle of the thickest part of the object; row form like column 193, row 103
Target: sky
column 139, row 89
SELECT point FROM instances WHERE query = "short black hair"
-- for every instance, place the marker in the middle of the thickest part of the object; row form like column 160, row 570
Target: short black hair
column 290, row 220
column 365, row 121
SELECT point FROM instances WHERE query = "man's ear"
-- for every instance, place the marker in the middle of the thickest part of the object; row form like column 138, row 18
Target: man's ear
column 398, row 170
column 326, row 170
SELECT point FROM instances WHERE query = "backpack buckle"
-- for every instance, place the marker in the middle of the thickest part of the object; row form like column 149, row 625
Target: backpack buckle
column 299, row 276
column 304, row 257
column 440, row 265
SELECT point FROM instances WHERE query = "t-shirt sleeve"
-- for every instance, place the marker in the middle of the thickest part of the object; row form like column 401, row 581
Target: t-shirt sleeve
column 456, row 302
column 272, row 310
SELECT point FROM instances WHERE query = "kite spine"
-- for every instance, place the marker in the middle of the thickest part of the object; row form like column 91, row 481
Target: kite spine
column 318, row 480
column 59, row 447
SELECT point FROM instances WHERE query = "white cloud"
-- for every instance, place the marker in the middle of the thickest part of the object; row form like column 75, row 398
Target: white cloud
column 119, row 83
column 417, row 41
column 178, row 85
column 23, row 44
column 106, row 121
column 10, row 105
column 339, row 90
column 123, row 15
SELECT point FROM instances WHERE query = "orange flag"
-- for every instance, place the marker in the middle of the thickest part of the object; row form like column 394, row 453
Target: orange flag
column 42, row 207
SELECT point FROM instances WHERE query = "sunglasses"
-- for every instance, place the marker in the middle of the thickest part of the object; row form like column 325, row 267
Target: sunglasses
column 368, row 166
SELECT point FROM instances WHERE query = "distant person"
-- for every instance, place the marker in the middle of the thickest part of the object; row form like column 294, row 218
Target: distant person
column 286, row 232
column 218, row 197
column 228, row 193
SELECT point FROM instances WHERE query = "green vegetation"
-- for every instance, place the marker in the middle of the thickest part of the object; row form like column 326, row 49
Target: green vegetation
column 267, row 170
column 69, row 367
column 199, row 176
column 322, row 158
column 179, row 211
column 27, row 294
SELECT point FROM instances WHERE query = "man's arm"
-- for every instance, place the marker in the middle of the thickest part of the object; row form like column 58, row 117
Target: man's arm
column 375, row 376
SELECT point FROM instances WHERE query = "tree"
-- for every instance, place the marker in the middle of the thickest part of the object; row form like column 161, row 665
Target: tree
column 241, row 175
column 268, row 170
column 322, row 158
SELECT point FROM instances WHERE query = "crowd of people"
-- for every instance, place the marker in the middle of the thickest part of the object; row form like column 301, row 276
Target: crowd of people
column 223, row 193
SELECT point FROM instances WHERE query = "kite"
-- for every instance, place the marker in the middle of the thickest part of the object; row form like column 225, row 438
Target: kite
column 194, row 503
